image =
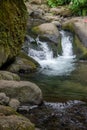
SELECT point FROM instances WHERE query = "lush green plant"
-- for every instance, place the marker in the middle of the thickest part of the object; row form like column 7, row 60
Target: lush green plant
column 78, row 7
column 54, row 3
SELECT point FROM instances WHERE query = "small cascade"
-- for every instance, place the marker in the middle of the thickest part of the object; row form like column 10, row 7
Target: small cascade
column 61, row 65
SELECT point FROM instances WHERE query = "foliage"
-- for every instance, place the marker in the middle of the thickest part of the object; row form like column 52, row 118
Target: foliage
column 78, row 7
column 54, row 3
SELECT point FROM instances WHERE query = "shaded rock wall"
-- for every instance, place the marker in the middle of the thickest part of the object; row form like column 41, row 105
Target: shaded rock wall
column 13, row 18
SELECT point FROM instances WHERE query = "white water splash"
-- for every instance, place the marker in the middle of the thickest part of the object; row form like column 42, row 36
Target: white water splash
column 60, row 106
column 61, row 65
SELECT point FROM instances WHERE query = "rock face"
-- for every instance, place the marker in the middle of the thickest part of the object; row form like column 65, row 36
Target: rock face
column 12, row 28
column 24, row 91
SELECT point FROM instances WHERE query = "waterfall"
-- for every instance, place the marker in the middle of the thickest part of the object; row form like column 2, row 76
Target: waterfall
column 62, row 64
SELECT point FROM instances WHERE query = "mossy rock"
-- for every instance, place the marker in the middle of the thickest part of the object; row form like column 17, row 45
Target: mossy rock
column 48, row 32
column 12, row 28
column 23, row 64
column 78, row 44
column 11, row 120
column 7, row 111
column 5, row 75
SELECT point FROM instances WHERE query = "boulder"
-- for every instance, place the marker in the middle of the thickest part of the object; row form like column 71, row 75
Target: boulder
column 6, row 75
column 14, row 103
column 62, row 11
column 4, row 100
column 15, row 122
column 78, row 26
column 12, row 29
column 48, row 30
column 57, row 23
column 24, row 91
column 11, row 120
column 7, row 111
column 23, row 64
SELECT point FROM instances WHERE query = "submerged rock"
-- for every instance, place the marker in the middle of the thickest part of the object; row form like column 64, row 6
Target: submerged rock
column 24, row 91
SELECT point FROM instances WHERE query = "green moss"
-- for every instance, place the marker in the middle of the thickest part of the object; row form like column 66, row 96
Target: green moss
column 7, row 111
column 79, row 49
column 13, row 18
column 68, row 26
column 36, row 30
column 25, row 56
column 59, row 47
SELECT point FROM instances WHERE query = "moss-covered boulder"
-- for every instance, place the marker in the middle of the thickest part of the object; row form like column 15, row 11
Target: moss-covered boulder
column 24, row 91
column 8, row 76
column 7, row 111
column 78, row 26
column 12, row 28
column 23, row 64
column 11, row 120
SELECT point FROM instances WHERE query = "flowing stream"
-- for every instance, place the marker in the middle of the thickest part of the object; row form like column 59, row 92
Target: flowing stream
column 63, row 82
column 62, row 64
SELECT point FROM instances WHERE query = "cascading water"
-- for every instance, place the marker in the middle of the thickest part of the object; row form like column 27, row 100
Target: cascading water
column 61, row 65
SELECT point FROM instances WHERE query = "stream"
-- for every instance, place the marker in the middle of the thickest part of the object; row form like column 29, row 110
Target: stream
column 63, row 82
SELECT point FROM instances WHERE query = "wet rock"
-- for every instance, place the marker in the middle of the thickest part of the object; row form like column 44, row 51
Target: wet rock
column 23, row 64
column 78, row 27
column 24, row 91
column 4, row 100
column 14, row 103
column 48, row 30
column 5, row 75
